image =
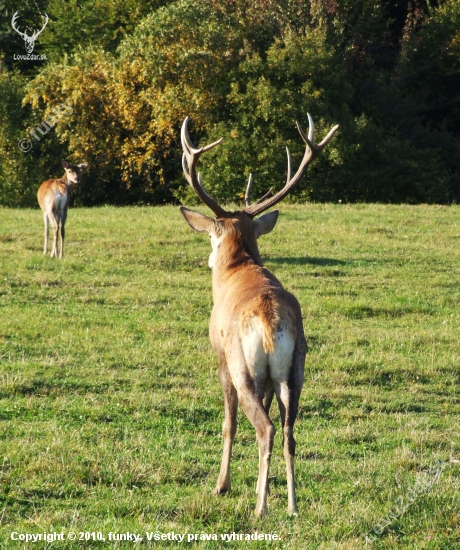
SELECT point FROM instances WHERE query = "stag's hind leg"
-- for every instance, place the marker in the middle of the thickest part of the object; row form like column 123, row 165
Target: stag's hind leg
column 288, row 404
column 268, row 398
column 255, row 412
column 229, row 427
column 267, row 401
column 288, row 393
column 249, row 371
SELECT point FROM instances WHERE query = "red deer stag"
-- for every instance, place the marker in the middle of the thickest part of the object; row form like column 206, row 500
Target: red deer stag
column 53, row 198
column 256, row 326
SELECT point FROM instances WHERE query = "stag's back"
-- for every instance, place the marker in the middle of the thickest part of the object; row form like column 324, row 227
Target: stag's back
column 253, row 314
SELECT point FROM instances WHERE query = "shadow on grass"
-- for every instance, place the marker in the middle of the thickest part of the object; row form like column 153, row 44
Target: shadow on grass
column 307, row 260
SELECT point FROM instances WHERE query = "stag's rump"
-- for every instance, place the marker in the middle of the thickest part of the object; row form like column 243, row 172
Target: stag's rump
column 268, row 334
column 259, row 331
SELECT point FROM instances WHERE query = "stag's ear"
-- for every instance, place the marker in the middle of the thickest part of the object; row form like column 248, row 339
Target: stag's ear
column 197, row 221
column 83, row 166
column 65, row 164
column 266, row 223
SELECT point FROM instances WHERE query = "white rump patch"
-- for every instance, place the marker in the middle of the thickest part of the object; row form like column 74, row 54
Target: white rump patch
column 275, row 365
column 255, row 356
column 280, row 359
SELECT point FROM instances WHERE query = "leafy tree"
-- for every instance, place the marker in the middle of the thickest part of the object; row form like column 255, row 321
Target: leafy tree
column 247, row 71
column 428, row 78
column 71, row 24
column 12, row 171
column 127, row 107
column 300, row 74
column 21, row 172
column 77, row 23
column 372, row 159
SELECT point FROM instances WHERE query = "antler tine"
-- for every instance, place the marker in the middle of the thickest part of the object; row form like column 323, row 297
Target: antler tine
column 311, row 128
column 267, row 194
column 311, row 131
column 247, row 195
column 312, row 150
column 289, row 165
column 329, row 136
column 189, row 160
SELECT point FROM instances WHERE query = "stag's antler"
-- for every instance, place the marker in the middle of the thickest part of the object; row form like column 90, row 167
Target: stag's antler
column 189, row 160
column 312, row 151
column 247, row 195
column 191, row 154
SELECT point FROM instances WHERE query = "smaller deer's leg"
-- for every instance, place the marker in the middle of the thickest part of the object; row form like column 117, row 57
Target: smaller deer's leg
column 265, row 430
column 63, row 219
column 45, row 219
column 55, row 224
column 229, row 428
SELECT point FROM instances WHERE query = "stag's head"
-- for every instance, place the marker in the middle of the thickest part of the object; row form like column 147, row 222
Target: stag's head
column 72, row 171
column 241, row 226
column 29, row 40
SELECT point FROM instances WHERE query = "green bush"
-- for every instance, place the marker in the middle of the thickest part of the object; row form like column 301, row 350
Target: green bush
column 387, row 75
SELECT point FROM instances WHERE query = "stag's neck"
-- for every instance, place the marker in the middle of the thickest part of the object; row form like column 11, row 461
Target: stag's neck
column 238, row 260
column 235, row 253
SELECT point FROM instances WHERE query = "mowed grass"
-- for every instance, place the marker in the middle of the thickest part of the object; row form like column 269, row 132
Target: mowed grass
column 111, row 408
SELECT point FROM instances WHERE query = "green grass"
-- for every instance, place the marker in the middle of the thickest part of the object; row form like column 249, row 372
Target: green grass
column 111, row 409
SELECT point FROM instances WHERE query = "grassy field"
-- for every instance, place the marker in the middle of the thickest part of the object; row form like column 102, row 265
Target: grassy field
column 111, row 409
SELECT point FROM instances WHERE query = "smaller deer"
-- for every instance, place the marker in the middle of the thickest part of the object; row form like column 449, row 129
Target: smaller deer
column 53, row 198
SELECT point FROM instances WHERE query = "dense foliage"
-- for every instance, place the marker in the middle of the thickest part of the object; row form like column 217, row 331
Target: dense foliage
column 131, row 71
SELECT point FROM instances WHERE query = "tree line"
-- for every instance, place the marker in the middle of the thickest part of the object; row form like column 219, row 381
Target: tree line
column 120, row 77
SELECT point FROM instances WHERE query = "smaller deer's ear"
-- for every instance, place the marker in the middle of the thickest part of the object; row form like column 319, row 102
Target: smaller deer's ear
column 65, row 164
column 197, row 221
column 83, row 166
column 266, row 223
